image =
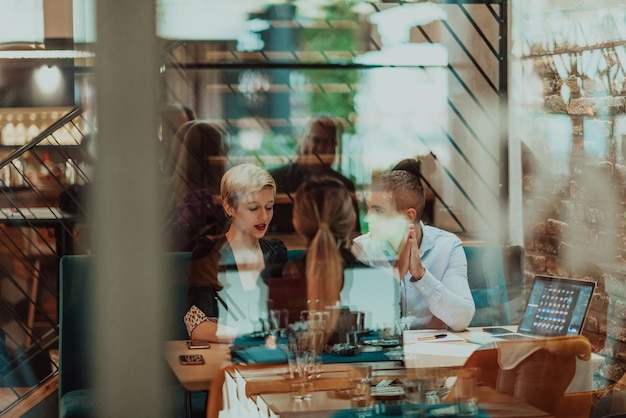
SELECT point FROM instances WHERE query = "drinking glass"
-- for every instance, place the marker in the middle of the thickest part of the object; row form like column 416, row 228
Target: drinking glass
column 358, row 321
column 418, row 394
column 360, row 372
column 360, row 398
column 465, row 392
column 305, row 363
column 292, row 365
column 275, row 322
column 301, row 390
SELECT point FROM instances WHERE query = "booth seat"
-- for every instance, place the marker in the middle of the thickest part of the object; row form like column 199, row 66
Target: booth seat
column 76, row 281
column 494, row 274
column 76, row 276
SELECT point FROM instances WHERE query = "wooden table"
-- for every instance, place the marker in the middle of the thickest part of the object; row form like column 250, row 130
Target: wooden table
column 324, row 404
column 438, row 357
column 196, row 377
column 55, row 218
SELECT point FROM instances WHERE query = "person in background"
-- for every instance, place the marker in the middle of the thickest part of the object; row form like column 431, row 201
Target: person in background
column 247, row 194
column 169, row 167
column 173, row 116
column 316, row 155
column 189, row 112
column 194, row 207
column 429, row 262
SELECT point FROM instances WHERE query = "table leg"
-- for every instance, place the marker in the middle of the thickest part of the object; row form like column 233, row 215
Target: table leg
column 64, row 238
column 187, row 402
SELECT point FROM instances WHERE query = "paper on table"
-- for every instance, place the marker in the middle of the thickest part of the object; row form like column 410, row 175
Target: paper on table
column 425, row 336
column 252, row 407
column 241, row 389
column 437, row 355
column 264, row 411
column 230, row 398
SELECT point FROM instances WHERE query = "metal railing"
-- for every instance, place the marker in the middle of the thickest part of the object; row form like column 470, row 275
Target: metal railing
column 36, row 179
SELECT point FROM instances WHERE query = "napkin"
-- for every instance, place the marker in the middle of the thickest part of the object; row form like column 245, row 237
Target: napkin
column 262, row 355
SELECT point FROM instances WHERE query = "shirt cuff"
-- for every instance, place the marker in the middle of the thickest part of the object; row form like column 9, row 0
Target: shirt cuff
column 414, row 279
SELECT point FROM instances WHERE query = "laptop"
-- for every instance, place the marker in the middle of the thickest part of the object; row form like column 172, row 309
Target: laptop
column 556, row 306
column 375, row 292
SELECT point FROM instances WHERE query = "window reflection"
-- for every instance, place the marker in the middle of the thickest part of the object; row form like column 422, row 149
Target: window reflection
column 400, row 89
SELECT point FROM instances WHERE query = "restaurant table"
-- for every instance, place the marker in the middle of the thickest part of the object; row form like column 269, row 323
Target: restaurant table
column 196, row 377
column 61, row 222
column 325, row 405
column 441, row 354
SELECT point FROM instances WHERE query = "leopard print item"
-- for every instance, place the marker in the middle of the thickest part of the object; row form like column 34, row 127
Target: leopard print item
column 195, row 317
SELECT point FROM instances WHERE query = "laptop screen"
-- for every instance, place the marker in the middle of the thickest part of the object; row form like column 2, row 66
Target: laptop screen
column 557, row 306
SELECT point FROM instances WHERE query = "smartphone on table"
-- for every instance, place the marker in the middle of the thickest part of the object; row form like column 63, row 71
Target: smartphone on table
column 195, row 344
column 497, row 330
column 191, row 359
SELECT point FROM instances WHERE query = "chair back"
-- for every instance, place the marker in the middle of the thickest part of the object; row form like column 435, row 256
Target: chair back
column 76, row 275
column 536, row 371
column 491, row 270
column 76, row 301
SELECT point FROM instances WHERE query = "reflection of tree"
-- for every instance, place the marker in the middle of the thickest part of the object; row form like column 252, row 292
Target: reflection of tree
column 583, row 77
column 337, row 31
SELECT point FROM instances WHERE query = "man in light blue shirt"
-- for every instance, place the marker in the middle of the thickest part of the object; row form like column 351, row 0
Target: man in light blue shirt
column 429, row 262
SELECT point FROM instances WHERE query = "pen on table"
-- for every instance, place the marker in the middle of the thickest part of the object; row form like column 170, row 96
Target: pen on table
column 431, row 337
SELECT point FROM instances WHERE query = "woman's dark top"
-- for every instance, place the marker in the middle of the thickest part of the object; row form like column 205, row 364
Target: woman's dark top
column 295, row 269
column 210, row 257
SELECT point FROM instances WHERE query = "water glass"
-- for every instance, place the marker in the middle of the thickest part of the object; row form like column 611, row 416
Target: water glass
column 358, row 321
column 277, row 321
column 360, row 398
column 360, row 372
column 418, row 395
column 292, row 365
column 301, row 390
column 302, row 364
column 465, row 390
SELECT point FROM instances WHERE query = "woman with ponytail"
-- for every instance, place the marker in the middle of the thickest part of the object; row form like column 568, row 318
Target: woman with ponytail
column 324, row 216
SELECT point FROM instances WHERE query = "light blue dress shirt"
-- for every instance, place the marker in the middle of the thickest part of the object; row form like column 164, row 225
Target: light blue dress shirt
column 442, row 298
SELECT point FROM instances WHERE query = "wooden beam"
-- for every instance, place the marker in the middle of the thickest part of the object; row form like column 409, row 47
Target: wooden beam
column 30, row 399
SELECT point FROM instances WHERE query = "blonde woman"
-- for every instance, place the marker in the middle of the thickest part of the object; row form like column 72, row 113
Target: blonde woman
column 225, row 297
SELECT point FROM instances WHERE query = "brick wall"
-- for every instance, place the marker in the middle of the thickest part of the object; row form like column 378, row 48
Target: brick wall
column 576, row 225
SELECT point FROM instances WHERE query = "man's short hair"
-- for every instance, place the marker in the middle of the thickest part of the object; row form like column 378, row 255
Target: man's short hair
column 405, row 185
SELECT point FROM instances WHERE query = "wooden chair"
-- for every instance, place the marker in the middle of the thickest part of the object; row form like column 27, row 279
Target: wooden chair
column 606, row 402
column 536, row 371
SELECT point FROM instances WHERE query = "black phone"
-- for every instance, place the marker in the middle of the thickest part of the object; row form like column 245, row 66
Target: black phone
column 497, row 330
column 194, row 344
column 191, row 359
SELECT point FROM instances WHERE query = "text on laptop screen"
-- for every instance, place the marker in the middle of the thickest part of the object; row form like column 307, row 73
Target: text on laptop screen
column 556, row 306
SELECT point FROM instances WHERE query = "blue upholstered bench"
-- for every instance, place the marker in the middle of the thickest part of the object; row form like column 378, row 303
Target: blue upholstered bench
column 76, row 281
column 490, row 271
column 76, row 275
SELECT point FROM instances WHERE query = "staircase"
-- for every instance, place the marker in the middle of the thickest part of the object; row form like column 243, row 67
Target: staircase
column 36, row 178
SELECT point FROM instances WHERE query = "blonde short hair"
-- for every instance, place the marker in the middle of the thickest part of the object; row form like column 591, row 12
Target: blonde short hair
column 242, row 180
